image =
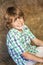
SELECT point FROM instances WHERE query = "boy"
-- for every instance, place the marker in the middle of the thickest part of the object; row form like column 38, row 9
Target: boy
column 19, row 38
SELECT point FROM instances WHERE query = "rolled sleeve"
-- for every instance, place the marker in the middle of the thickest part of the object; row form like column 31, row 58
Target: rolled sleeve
column 28, row 31
column 31, row 35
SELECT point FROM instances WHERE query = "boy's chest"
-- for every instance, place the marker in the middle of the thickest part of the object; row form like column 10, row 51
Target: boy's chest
column 22, row 38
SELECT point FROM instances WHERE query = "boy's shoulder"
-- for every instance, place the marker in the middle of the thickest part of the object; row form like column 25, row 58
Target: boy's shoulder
column 26, row 27
column 11, row 31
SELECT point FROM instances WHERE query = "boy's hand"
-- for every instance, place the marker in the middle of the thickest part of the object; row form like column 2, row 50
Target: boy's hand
column 30, row 56
column 41, row 60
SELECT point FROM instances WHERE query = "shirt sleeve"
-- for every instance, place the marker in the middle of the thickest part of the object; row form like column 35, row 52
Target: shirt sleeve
column 28, row 31
column 12, row 45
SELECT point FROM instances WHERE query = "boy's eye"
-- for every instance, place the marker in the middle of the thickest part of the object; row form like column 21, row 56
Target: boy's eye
column 17, row 18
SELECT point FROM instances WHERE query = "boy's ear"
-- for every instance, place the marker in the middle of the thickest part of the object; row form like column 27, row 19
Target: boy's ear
column 5, row 16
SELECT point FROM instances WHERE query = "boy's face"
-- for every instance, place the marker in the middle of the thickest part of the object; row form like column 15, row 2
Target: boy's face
column 17, row 22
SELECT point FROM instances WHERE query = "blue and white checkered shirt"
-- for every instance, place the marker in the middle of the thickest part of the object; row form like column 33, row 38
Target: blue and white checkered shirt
column 18, row 43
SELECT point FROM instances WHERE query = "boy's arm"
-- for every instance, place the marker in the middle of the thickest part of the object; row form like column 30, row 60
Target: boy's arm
column 30, row 56
column 37, row 42
column 33, row 38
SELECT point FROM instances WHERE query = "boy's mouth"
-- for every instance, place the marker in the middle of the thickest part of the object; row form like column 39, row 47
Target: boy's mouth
column 20, row 27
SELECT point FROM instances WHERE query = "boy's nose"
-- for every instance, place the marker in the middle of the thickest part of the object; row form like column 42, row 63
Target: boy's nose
column 18, row 19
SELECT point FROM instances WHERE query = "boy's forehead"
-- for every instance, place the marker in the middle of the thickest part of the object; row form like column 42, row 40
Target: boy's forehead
column 13, row 17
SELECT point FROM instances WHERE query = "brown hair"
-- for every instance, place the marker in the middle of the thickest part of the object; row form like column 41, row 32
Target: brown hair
column 13, row 11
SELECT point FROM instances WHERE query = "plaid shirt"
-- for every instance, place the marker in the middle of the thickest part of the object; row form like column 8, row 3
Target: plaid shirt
column 18, row 43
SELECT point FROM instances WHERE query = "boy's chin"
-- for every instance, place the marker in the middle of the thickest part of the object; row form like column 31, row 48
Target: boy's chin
column 20, row 27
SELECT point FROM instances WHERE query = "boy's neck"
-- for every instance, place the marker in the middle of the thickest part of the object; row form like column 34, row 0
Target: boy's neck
column 20, row 30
